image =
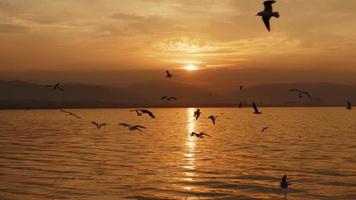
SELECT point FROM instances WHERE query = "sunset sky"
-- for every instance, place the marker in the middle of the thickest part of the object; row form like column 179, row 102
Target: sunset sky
column 156, row 34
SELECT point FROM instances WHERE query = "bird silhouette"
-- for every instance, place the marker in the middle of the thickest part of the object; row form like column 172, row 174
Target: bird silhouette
column 199, row 135
column 56, row 86
column 197, row 114
column 70, row 113
column 256, row 111
column 213, row 118
column 132, row 127
column 241, row 87
column 284, row 182
column 169, row 98
column 301, row 93
column 264, row 129
column 140, row 112
column 168, row 74
column 348, row 105
column 98, row 125
column 267, row 13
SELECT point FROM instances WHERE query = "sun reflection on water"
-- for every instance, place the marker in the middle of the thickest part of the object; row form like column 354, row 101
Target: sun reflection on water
column 190, row 149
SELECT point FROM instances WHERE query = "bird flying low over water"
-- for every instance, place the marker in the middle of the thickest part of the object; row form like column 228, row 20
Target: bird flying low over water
column 56, row 86
column 133, row 127
column 267, row 13
column 256, row 111
column 301, row 93
column 140, row 112
column 348, row 105
column 199, row 135
column 265, row 128
column 70, row 113
column 284, row 182
column 197, row 114
column 213, row 118
column 168, row 74
column 169, row 98
column 98, row 125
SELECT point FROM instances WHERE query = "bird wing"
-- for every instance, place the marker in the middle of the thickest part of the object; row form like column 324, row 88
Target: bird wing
column 294, row 90
column 268, row 5
column 307, row 93
column 65, row 111
column 138, row 127
column 164, row 97
column 76, row 116
column 255, row 107
column 168, row 74
column 193, row 133
column 124, row 125
column 148, row 112
column 202, row 133
column 266, row 21
column 96, row 124
column 60, row 88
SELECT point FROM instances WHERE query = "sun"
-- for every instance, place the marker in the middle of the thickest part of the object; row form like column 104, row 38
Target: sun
column 191, row 67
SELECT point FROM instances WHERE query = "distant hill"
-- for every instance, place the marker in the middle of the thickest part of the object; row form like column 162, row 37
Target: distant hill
column 19, row 94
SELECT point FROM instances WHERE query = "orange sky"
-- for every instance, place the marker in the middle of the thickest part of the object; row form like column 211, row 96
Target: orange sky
column 113, row 34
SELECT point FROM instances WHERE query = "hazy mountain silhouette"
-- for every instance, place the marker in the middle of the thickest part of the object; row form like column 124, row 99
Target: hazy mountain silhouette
column 19, row 94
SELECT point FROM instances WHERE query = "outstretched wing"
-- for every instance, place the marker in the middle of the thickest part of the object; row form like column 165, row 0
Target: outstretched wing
column 96, row 124
column 294, row 90
column 164, row 97
column 65, row 111
column 268, row 5
column 205, row 134
column 266, row 21
column 308, row 95
column 138, row 127
column 124, row 125
column 149, row 113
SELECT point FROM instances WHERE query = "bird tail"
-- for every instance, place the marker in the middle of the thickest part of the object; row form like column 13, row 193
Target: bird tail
column 275, row 14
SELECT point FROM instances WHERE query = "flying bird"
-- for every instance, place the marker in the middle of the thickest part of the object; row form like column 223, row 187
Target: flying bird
column 98, row 125
column 140, row 112
column 168, row 74
column 267, row 13
column 197, row 114
column 56, row 86
column 265, row 128
column 70, row 113
column 348, row 105
column 301, row 93
column 169, row 98
column 256, row 111
column 132, row 127
column 212, row 118
column 199, row 135
column 284, row 182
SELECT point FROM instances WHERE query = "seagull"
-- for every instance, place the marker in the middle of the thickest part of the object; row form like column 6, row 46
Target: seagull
column 213, row 118
column 56, row 86
column 265, row 128
column 256, row 111
column 98, row 126
column 199, row 135
column 168, row 74
column 139, row 112
column 70, row 113
column 301, row 93
column 197, row 114
column 132, row 127
column 168, row 98
column 284, row 182
column 349, row 105
column 267, row 13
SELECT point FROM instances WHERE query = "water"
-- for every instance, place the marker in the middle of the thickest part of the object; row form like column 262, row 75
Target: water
column 45, row 154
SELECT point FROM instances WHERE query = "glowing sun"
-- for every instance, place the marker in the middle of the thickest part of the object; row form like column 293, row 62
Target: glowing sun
column 191, row 67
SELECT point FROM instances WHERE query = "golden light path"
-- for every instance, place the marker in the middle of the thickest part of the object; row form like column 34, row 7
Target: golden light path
column 190, row 148
column 191, row 67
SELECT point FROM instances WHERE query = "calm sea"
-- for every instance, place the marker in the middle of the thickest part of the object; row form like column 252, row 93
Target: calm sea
column 45, row 154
